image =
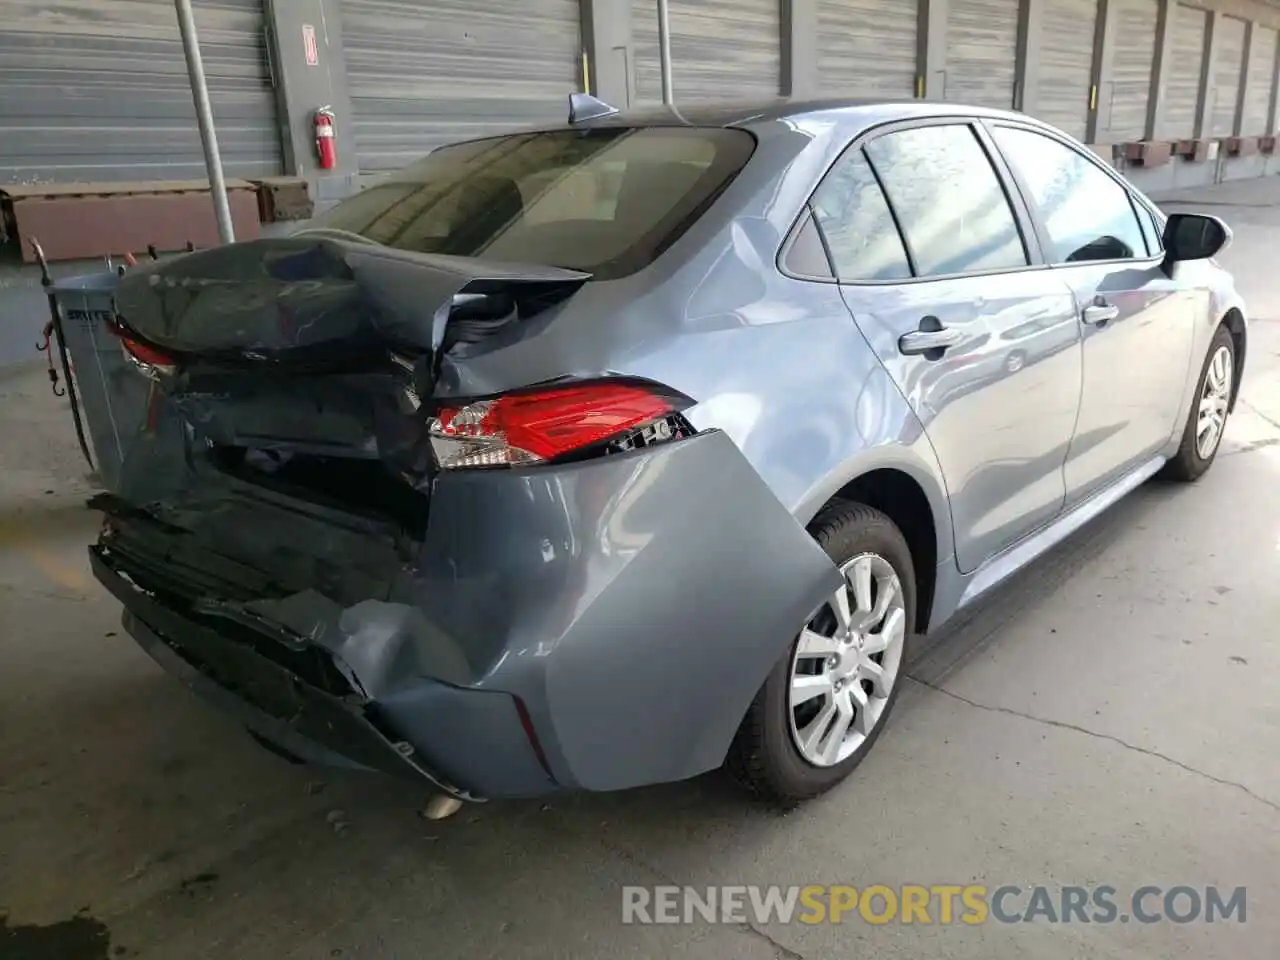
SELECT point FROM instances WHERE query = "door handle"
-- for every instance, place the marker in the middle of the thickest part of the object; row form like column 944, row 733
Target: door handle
column 926, row 341
column 1096, row 314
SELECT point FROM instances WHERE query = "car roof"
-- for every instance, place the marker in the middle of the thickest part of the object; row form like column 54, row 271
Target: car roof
column 749, row 113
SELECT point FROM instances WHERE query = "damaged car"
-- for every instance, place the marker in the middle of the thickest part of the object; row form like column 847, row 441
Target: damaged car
column 618, row 451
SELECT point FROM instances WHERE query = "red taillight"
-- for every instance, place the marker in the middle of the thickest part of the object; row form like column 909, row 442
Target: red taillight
column 148, row 359
column 535, row 426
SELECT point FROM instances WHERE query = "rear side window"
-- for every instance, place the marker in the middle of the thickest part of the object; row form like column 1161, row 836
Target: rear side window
column 948, row 199
column 607, row 200
column 1089, row 215
column 806, row 256
column 856, row 222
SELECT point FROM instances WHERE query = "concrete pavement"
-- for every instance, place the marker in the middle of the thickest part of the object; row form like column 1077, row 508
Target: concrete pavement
column 1108, row 718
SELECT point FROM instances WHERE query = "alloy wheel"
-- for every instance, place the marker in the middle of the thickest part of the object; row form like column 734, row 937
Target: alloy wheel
column 1214, row 399
column 847, row 661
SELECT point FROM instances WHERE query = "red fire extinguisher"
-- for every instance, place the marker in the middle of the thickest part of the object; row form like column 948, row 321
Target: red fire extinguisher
column 326, row 148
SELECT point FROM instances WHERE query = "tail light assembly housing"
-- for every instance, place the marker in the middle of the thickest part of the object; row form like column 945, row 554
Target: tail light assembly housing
column 556, row 422
column 151, row 362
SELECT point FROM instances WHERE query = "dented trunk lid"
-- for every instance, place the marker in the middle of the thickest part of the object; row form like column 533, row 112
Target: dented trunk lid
column 326, row 297
column 288, row 444
column 319, row 348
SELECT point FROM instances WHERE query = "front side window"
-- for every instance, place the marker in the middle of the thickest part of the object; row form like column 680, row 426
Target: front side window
column 1145, row 224
column 948, row 199
column 1153, row 223
column 607, row 201
column 1088, row 214
column 856, row 222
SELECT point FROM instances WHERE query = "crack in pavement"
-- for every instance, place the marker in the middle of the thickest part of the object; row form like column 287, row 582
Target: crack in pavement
column 748, row 928
column 1252, row 447
column 1063, row 725
column 1266, row 417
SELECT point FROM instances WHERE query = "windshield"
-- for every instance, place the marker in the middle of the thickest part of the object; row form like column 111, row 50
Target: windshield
column 605, row 201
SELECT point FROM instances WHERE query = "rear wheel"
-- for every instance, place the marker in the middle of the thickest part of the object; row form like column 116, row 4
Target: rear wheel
column 826, row 700
column 1207, row 418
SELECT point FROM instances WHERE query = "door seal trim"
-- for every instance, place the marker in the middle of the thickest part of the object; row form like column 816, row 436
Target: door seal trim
column 1003, row 565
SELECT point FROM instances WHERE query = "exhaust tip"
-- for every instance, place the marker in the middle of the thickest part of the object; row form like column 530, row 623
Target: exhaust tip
column 441, row 807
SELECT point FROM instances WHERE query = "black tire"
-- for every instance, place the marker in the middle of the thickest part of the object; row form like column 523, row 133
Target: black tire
column 763, row 757
column 1187, row 464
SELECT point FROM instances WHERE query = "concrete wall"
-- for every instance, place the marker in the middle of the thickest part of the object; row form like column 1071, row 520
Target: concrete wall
column 24, row 309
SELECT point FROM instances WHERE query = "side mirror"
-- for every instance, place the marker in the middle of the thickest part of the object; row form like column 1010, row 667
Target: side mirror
column 1194, row 236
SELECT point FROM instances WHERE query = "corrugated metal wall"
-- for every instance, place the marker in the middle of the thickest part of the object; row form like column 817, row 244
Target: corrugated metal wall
column 1133, row 62
column 982, row 40
column 98, row 91
column 867, row 47
column 425, row 74
column 720, row 49
column 1066, row 64
column 1224, row 85
column 1182, row 90
column 1262, row 66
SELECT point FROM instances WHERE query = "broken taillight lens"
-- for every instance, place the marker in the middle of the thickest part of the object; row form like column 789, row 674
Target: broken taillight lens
column 547, row 424
column 149, row 360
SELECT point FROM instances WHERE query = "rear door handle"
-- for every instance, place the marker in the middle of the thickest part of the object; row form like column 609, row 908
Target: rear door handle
column 1097, row 314
column 924, row 341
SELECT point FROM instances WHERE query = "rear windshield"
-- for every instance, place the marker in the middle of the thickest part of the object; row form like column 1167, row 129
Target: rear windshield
column 606, row 201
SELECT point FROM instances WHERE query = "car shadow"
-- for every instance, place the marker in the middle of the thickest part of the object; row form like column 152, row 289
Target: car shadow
column 974, row 628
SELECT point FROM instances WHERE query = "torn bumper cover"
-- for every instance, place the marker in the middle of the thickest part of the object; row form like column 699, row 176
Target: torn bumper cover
column 596, row 625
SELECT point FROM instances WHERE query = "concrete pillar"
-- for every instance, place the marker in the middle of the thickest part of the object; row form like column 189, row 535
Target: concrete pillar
column 800, row 48
column 304, row 43
column 1026, row 81
column 1098, row 128
column 606, row 39
column 1242, row 88
column 1160, row 68
column 931, row 55
column 1275, row 90
column 1204, row 100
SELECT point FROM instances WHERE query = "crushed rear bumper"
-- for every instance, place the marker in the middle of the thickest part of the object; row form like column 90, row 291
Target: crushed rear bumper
column 598, row 625
column 320, row 726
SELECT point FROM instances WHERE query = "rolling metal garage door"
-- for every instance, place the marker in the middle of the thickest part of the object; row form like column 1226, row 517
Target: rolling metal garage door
column 982, row 40
column 93, row 91
column 720, row 49
column 1182, row 90
column 1224, row 86
column 1135, row 52
column 867, row 48
column 1066, row 64
column 1262, row 67
column 426, row 74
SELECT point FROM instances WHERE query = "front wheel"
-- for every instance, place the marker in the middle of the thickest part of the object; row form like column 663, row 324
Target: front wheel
column 1207, row 418
column 827, row 699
